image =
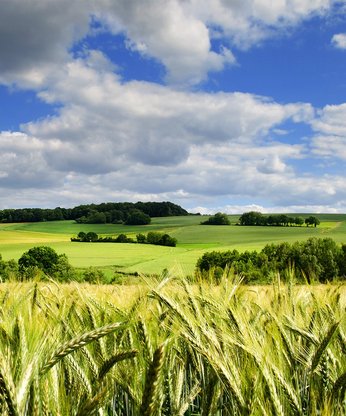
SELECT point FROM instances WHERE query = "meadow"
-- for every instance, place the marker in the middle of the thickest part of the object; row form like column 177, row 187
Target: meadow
column 193, row 240
column 165, row 347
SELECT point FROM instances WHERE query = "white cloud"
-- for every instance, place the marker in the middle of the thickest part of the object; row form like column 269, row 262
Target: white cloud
column 175, row 32
column 36, row 35
column 148, row 139
column 339, row 40
column 145, row 123
column 330, row 127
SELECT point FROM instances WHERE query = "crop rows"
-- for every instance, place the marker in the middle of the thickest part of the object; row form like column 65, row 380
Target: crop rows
column 172, row 349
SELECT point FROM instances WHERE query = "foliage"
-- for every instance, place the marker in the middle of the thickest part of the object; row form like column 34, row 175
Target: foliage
column 43, row 257
column 257, row 218
column 46, row 260
column 8, row 270
column 218, row 219
column 89, row 237
column 153, row 237
column 173, row 349
column 141, row 238
column 93, row 217
column 93, row 275
column 315, row 259
column 312, row 221
column 109, row 212
column 137, row 217
column 161, row 239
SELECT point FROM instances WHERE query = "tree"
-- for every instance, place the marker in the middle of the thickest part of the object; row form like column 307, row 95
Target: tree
column 218, row 219
column 299, row 221
column 251, row 218
column 82, row 236
column 154, row 237
column 45, row 258
column 167, row 240
column 122, row 238
column 137, row 217
column 91, row 237
column 141, row 238
column 312, row 221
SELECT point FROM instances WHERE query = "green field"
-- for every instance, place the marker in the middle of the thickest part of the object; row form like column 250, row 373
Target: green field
column 193, row 240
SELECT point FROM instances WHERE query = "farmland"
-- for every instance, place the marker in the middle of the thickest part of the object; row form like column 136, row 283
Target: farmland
column 161, row 344
column 170, row 348
column 193, row 240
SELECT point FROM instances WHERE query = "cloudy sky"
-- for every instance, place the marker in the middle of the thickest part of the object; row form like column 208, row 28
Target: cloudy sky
column 212, row 104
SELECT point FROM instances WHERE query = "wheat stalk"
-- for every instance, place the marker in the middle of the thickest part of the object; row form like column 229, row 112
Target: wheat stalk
column 76, row 343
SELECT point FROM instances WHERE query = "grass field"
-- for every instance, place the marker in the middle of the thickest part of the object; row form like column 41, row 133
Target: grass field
column 193, row 240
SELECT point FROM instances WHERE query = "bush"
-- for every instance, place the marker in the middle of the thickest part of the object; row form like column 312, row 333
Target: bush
column 317, row 259
column 218, row 219
column 160, row 239
column 8, row 269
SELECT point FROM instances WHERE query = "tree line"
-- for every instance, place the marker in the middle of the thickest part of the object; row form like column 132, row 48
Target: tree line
column 279, row 220
column 153, row 237
column 107, row 212
column 317, row 259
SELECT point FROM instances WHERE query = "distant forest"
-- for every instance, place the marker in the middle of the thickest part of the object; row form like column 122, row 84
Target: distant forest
column 107, row 212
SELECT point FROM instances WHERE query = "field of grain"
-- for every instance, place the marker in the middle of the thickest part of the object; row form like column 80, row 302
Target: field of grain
column 193, row 240
column 169, row 348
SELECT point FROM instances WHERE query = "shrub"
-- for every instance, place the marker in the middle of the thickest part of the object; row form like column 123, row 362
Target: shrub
column 315, row 259
column 218, row 219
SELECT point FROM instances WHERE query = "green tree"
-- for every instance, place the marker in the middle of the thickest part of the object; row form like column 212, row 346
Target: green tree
column 218, row 219
column 137, row 217
column 251, row 218
column 141, row 238
column 312, row 221
column 82, row 236
column 167, row 240
column 299, row 221
column 91, row 237
column 154, row 237
column 44, row 258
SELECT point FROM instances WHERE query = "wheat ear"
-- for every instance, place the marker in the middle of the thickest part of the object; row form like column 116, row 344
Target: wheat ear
column 76, row 343
column 151, row 383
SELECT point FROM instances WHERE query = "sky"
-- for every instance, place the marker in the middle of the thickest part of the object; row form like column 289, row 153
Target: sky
column 216, row 105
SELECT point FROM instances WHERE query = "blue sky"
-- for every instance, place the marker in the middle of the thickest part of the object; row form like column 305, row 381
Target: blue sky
column 211, row 104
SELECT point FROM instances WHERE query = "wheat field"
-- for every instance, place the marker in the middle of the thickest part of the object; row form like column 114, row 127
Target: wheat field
column 166, row 347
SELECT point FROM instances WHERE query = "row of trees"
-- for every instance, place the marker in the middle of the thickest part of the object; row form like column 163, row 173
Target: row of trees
column 133, row 217
column 152, row 237
column 108, row 212
column 257, row 218
column 316, row 259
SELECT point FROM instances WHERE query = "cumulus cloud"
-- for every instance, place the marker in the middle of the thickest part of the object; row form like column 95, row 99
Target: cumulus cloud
column 177, row 33
column 330, row 127
column 339, row 40
column 146, row 123
column 36, row 35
